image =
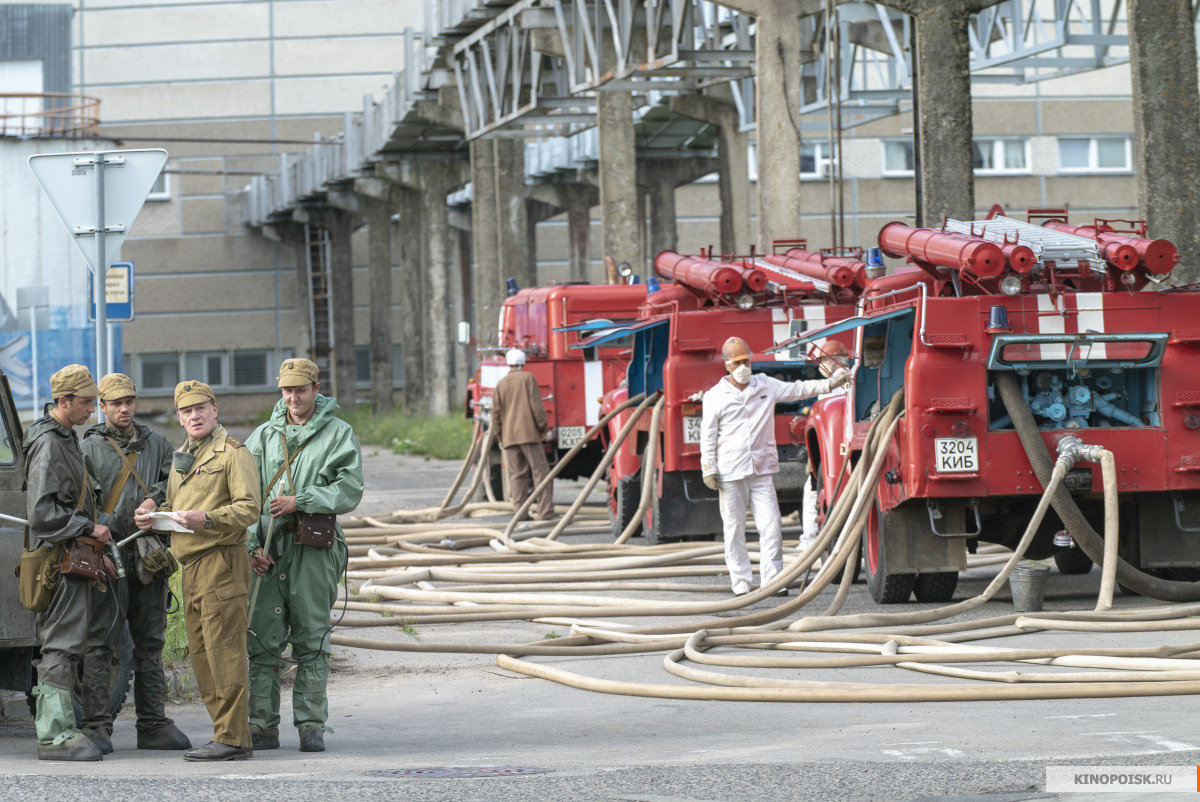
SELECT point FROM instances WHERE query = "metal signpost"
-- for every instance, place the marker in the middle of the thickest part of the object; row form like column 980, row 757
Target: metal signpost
column 103, row 208
column 33, row 298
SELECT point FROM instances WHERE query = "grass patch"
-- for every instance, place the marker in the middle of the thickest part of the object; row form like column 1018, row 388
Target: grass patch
column 175, row 651
column 447, row 437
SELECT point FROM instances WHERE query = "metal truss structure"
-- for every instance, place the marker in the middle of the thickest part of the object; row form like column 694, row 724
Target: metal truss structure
column 531, row 69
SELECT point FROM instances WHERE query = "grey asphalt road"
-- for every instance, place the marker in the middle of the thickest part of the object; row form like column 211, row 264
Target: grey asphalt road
column 394, row 713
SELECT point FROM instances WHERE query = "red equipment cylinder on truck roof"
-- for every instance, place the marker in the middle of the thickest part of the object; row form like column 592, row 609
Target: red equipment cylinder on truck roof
column 703, row 274
column 938, row 249
column 1155, row 255
column 837, row 271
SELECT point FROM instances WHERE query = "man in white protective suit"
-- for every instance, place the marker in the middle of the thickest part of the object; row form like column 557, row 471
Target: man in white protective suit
column 738, row 457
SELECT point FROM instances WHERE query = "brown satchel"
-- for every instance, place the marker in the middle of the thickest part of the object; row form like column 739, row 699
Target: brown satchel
column 84, row 558
column 317, row 529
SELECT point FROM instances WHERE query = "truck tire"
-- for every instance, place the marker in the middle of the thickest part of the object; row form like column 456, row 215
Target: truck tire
column 1072, row 561
column 122, row 677
column 495, row 480
column 937, row 587
column 886, row 587
column 624, row 495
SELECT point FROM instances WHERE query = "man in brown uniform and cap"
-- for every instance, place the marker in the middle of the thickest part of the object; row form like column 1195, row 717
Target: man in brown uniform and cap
column 213, row 491
column 60, row 507
column 518, row 423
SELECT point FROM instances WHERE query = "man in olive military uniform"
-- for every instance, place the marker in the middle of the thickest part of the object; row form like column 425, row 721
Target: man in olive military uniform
column 213, row 492
column 60, row 507
column 298, row 582
column 129, row 463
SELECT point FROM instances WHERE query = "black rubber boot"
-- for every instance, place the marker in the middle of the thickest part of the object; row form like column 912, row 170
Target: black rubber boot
column 101, row 739
column 312, row 739
column 155, row 730
column 263, row 739
column 165, row 737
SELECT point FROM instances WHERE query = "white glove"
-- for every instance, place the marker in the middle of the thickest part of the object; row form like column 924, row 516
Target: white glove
column 840, row 377
column 712, row 482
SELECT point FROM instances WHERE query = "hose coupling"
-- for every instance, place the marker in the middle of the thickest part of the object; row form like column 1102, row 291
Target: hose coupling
column 1075, row 450
column 1063, row 539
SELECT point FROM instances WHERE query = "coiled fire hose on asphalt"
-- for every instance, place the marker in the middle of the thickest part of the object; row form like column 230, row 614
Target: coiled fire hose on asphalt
column 515, row 584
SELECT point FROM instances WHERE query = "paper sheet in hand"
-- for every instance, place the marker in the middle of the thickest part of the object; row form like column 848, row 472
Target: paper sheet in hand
column 164, row 523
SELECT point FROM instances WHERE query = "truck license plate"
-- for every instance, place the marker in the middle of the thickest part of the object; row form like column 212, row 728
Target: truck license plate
column 568, row 436
column 691, row 430
column 955, row 454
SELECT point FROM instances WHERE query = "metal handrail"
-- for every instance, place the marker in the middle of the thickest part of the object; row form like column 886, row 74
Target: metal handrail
column 49, row 114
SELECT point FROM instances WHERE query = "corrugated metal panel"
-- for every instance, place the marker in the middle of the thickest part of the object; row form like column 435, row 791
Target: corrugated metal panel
column 39, row 31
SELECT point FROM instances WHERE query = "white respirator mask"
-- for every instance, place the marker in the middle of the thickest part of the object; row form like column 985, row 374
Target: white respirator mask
column 741, row 374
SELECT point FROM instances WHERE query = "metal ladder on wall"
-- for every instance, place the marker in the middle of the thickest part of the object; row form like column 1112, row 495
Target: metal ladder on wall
column 317, row 248
column 1047, row 244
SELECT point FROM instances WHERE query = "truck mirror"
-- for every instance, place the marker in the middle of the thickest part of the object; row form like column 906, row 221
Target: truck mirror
column 464, row 333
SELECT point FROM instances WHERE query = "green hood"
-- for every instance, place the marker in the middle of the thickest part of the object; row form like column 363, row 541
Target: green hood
column 41, row 426
column 298, row 435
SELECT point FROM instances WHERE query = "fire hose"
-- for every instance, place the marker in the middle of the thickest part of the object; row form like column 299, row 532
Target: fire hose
column 1132, row 672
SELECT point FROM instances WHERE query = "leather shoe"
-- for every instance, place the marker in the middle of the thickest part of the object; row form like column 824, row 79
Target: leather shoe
column 218, row 751
column 312, row 739
column 782, row 592
column 263, row 739
column 101, row 740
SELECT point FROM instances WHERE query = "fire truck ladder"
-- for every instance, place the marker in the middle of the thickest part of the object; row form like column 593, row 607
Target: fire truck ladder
column 317, row 261
column 1047, row 244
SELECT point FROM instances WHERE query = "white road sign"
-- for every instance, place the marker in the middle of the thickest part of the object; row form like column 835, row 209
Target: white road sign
column 69, row 180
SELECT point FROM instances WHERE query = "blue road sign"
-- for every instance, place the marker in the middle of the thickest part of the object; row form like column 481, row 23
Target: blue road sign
column 118, row 287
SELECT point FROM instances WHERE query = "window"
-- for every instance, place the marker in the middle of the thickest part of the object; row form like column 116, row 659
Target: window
column 1112, row 154
column 998, row 156
column 159, row 371
column 250, row 368
column 362, row 366
column 207, row 367
column 161, row 191
column 897, row 157
column 815, row 158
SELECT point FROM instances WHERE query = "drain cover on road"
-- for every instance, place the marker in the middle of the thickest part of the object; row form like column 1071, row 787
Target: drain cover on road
column 440, row 772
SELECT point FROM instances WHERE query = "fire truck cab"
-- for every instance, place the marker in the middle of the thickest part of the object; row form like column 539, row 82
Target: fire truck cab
column 542, row 322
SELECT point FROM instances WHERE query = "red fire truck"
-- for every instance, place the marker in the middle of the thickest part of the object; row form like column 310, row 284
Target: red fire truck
column 1060, row 309
column 546, row 322
column 676, row 345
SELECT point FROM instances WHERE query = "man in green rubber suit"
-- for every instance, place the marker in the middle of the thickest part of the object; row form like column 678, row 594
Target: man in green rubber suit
column 309, row 462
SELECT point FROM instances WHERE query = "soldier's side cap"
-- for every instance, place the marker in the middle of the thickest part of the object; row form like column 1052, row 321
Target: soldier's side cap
column 116, row 385
column 297, row 372
column 73, row 380
column 192, row 392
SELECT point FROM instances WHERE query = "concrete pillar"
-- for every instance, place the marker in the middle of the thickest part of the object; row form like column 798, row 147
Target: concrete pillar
column 341, row 307
column 379, row 247
column 777, row 105
column 1166, row 118
column 439, row 270
column 412, row 300
column 513, row 243
column 620, row 227
column 579, row 227
column 489, row 285
column 660, row 186
column 733, row 166
column 460, row 252
column 944, row 112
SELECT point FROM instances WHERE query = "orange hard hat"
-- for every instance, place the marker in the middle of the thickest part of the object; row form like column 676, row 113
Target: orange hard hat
column 734, row 348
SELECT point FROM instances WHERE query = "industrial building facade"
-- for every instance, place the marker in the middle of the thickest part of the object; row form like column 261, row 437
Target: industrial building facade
column 226, row 87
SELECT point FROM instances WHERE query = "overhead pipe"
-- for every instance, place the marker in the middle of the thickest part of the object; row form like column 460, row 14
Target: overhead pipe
column 704, row 275
column 954, row 251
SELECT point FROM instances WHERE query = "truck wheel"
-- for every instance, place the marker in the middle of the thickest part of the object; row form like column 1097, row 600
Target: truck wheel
column 886, row 586
column 937, row 587
column 495, row 480
column 624, row 494
column 122, row 676
column 1072, row 561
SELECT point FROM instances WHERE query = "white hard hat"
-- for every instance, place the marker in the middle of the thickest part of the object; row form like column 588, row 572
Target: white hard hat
column 515, row 357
